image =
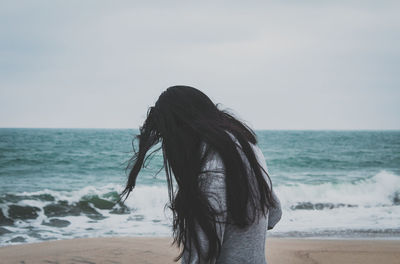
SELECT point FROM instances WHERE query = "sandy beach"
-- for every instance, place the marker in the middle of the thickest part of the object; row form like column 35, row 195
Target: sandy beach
column 158, row 250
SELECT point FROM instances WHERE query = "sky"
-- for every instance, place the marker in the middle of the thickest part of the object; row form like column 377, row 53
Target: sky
column 274, row 64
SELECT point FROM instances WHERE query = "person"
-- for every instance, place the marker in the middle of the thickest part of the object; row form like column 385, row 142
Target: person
column 220, row 193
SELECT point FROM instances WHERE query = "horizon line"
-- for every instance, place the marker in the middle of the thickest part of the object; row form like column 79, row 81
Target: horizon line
column 256, row 129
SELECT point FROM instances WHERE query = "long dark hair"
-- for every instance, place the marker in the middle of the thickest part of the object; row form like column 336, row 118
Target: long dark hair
column 182, row 118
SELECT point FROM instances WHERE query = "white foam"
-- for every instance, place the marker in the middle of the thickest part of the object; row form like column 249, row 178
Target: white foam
column 373, row 197
column 376, row 191
column 147, row 217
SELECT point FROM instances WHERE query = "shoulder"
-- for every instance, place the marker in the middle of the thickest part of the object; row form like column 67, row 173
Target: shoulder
column 212, row 159
column 256, row 149
column 212, row 175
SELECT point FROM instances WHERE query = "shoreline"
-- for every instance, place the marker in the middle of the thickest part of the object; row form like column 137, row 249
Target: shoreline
column 269, row 237
column 159, row 250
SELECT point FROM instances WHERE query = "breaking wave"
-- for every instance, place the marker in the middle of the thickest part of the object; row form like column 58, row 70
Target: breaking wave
column 364, row 206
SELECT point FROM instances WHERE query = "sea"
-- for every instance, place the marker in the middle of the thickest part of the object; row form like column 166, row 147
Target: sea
column 64, row 183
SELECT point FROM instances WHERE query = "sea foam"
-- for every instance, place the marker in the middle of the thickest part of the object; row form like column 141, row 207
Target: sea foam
column 362, row 206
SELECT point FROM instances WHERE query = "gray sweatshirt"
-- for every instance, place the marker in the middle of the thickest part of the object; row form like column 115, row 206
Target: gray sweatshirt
column 238, row 245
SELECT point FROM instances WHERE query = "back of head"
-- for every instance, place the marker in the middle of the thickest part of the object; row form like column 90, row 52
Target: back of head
column 185, row 105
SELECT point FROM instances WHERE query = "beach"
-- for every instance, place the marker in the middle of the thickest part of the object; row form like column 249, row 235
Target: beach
column 159, row 250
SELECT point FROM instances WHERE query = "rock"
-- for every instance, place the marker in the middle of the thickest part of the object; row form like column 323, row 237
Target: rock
column 62, row 208
column 303, row 206
column 23, row 212
column 89, row 211
column 4, row 231
column 56, row 223
column 17, row 239
column 4, row 220
column 101, row 203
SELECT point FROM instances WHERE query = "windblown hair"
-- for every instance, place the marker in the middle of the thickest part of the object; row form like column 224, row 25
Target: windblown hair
column 182, row 118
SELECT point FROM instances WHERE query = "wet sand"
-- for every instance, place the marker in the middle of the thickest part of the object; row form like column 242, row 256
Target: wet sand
column 158, row 250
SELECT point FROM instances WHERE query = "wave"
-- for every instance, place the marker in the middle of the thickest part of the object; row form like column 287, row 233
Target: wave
column 383, row 189
column 91, row 211
column 371, row 204
column 90, row 201
column 348, row 208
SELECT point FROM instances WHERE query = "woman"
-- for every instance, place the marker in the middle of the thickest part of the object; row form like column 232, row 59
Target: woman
column 223, row 202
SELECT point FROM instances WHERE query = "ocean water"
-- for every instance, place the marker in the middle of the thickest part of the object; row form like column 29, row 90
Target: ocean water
column 63, row 183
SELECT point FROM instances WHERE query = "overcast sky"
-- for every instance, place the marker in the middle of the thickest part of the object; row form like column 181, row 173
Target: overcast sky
column 276, row 65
